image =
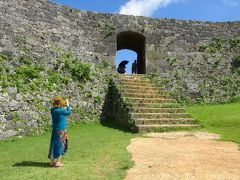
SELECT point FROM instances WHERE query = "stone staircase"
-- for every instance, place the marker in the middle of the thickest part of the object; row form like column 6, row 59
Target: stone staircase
column 150, row 107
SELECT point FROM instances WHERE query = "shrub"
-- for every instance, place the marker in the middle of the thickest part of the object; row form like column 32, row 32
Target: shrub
column 202, row 48
column 236, row 62
column 3, row 57
column 234, row 42
column 81, row 72
column 29, row 72
column 97, row 99
column 25, row 60
column 54, row 77
column 109, row 29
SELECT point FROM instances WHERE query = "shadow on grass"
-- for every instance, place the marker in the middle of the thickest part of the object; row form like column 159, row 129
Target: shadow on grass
column 116, row 126
column 32, row 164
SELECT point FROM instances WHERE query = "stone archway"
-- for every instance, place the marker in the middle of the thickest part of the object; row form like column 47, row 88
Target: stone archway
column 135, row 42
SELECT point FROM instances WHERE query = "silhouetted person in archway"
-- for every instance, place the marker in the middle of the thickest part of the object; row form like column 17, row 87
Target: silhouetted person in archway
column 122, row 67
column 134, row 67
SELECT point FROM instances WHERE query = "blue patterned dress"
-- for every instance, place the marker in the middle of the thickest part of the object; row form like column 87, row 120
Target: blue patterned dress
column 59, row 139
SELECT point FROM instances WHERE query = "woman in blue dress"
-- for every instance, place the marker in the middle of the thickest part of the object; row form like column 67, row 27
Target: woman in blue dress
column 59, row 139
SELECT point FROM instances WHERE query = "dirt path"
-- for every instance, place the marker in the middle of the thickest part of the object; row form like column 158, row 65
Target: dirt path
column 183, row 155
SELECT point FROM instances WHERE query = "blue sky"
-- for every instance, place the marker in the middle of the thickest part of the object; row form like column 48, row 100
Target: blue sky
column 204, row 10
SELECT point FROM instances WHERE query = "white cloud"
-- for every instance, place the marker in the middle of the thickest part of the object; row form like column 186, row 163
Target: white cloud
column 144, row 7
column 231, row 2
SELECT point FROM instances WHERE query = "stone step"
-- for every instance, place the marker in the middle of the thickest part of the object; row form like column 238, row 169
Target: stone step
column 142, row 128
column 137, row 91
column 135, row 95
column 150, row 100
column 131, row 75
column 137, row 84
column 133, row 87
column 157, row 110
column 164, row 121
column 154, row 105
column 133, row 80
column 159, row 115
column 150, row 107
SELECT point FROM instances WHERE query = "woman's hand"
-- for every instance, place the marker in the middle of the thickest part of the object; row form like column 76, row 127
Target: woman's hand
column 67, row 102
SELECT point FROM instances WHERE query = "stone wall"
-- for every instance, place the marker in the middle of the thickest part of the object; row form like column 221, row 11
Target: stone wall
column 36, row 28
column 27, row 88
column 40, row 25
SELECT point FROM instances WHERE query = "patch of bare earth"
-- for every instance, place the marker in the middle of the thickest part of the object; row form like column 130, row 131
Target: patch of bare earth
column 183, row 155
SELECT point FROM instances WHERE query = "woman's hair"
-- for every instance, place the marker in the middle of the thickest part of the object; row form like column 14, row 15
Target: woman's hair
column 59, row 101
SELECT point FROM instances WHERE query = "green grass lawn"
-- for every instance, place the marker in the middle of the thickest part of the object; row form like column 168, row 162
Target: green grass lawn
column 223, row 119
column 95, row 152
column 99, row 152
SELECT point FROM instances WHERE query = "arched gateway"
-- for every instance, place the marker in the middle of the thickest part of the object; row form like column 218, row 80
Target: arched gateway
column 135, row 42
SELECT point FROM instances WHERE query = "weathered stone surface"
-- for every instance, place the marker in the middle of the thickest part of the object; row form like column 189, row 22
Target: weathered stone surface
column 4, row 107
column 12, row 91
column 39, row 26
column 2, row 119
column 14, row 105
column 9, row 117
column 4, row 97
column 7, row 134
column 19, row 97
column 24, row 106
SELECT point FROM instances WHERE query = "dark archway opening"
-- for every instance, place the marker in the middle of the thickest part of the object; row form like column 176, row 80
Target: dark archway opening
column 135, row 42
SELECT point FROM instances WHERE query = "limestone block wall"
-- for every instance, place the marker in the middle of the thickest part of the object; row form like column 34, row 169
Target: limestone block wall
column 40, row 25
column 171, row 46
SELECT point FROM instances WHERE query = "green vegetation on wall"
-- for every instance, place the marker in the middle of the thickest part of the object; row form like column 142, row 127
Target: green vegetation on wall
column 211, row 76
column 108, row 30
column 36, row 81
column 31, row 76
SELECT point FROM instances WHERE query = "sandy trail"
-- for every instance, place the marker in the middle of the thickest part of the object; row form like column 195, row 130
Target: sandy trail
column 183, row 155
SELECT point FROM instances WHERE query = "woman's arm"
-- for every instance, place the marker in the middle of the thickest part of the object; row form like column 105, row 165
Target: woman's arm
column 66, row 111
